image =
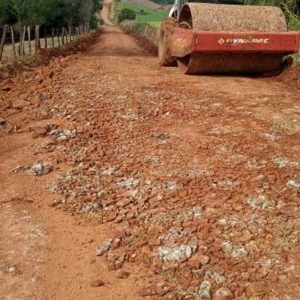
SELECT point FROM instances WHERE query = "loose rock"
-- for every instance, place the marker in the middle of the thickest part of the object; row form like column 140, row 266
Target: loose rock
column 5, row 126
column 104, row 247
column 40, row 131
column 97, row 283
column 176, row 253
column 37, row 169
column 122, row 274
column 204, row 290
column 223, row 293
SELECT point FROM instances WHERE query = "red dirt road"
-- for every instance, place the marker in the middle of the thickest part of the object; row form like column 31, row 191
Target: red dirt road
column 187, row 187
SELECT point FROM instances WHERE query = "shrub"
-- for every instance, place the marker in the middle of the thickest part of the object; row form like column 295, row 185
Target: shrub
column 94, row 22
column 126, row 14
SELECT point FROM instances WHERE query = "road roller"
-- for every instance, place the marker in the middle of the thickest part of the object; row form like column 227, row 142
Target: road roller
column 211, row 37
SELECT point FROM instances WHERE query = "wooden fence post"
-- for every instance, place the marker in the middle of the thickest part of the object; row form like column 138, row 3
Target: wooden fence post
column 72, row 34
column 52, row 37
column 13, row 42
column 37, row 39
column 20, row 42
column 69, row 33
column 3, row 41
column 29, row 39
column 57, row 34
column 23, row 41
column 45, row 38
column 66, row 35
column 62, row 37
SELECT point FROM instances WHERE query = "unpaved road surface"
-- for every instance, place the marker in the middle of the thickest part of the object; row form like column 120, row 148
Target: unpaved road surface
column 159, row 185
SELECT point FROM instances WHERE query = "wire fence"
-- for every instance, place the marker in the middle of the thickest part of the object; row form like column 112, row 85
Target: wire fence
column 31, row 39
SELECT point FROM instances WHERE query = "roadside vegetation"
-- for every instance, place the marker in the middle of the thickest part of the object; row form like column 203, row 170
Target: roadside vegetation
column 142, row 14
column 57, row 22
column 126, row 14
column 51, row 13
column 144, row 29
column 145, row 23
column 293, row 19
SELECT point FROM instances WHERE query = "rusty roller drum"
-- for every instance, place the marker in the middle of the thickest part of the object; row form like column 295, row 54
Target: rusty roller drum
column 231, row 18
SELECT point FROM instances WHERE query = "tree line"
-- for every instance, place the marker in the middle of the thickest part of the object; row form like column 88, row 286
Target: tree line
column 61, row 21
column 49, row 13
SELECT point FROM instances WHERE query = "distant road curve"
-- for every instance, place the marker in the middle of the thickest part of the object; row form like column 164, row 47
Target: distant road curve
column 106, row 12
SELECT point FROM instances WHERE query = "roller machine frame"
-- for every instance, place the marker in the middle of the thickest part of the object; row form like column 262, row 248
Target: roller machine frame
column 206, row 38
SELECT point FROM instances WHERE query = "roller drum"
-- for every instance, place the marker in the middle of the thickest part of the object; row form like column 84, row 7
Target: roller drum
column 231, row 18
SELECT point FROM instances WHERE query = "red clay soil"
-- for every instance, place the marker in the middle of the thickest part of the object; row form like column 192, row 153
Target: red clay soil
column 162, row 186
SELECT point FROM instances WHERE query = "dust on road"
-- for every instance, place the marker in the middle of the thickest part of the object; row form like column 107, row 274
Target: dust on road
column 163, row 185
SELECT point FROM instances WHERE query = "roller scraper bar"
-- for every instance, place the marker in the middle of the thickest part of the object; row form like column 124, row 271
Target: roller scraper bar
column 186, row 42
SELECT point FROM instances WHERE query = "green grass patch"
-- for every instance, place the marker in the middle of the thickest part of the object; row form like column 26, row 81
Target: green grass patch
column 144, row 29
column 297, row 59
column 293, row 24
column 143, row 14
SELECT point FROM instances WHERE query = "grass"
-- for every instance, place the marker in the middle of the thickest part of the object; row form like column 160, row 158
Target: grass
column 297, row 59
column 294, row 25
column 147, row 20
column 143, row 14
column 144, row 29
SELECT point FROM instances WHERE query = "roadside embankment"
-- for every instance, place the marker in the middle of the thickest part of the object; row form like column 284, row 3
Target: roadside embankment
column 46, row 55
column 145, row 33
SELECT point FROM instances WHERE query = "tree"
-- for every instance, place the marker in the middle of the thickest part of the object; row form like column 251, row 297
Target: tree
column 48, row 12
column 30, row 12
column 126, row 14
column 3, row 10
column 85, row 11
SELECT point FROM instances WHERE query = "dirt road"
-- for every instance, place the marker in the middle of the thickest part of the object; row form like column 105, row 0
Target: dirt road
column 105, row 13
column 163, row 186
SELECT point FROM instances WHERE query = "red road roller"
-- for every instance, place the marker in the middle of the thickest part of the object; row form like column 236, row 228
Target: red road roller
column 212, row 38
